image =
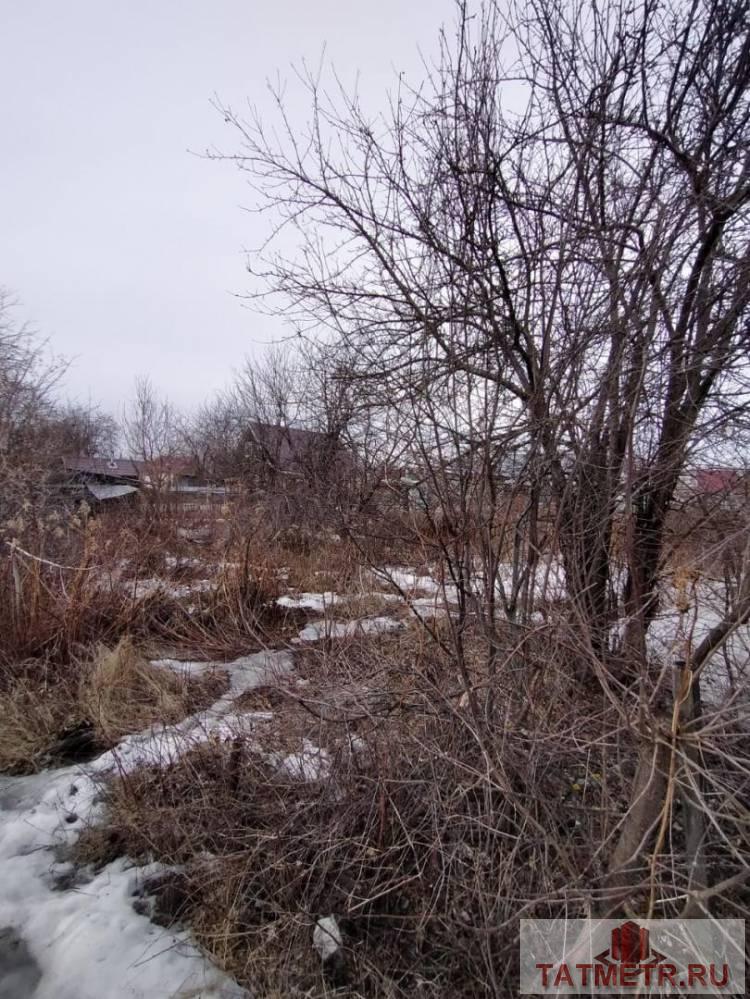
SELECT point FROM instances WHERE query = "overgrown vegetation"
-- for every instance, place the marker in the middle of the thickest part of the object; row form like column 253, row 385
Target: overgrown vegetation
column 55, row 713
column 426, row 837
column 500, row 454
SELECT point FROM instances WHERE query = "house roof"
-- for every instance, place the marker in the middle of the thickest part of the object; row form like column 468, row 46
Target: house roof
column 116, row 468
column 711, row 481
column 287, row 445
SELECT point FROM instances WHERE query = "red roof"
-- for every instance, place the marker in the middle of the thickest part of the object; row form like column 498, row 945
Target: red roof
column 710, row 481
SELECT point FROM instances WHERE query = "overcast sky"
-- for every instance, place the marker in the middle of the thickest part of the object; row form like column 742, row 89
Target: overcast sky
column 122, row 247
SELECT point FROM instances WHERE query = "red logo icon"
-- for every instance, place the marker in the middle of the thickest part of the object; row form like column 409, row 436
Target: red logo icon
column 630, row 944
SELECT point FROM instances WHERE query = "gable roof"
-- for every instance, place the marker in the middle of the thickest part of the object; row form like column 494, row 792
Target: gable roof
column 113, row 468
column 287, row 445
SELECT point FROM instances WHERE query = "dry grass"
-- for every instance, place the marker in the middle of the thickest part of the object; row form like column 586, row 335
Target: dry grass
column 427, row 841
column 34, row 714
column 135, row 573
column 121, row 692
column 435, row 828
column 342, row 688
column 53, row 613
column 63, row 600
column 422, row 840
column 444, row 816
column 413, row 850
column 320, row 562
column 90, row 704
column 363, row 605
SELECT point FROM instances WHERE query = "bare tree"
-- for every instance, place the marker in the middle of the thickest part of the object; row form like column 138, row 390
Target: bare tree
column 28, row 441
column 28, row 376
column 151, row 433
column 214, row 438
column 84, row 430
column 587, row 254
column 563, row 282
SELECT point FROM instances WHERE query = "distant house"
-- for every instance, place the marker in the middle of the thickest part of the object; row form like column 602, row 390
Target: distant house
column 287, row 448
column 271, row 450
column 102, row 469
column 104, row 480
column 717, row 481
column 714, row 488
column 99, row 480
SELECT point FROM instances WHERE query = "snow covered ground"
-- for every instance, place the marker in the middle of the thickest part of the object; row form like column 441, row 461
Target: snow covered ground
column 311, row 764
column 309, row 601
column 548, row 583
column 63, row 939
column 725, row 673
column 328, row 628
column 86, row 941
column 728, row 669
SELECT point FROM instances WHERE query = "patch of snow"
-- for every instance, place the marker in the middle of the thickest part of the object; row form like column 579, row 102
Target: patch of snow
column 327, row 937
column 252, row 671
column 428, row 607
column 311, row 764
column 312, row 632
column 316, row 630
column 90, row 943
column 548, row 582
column 181, row 562
column 185, row 668
column 728, row 669
column 407, row 579
column 377, row 625
column 670, row 628
column 310, row 601
column 162, row 745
